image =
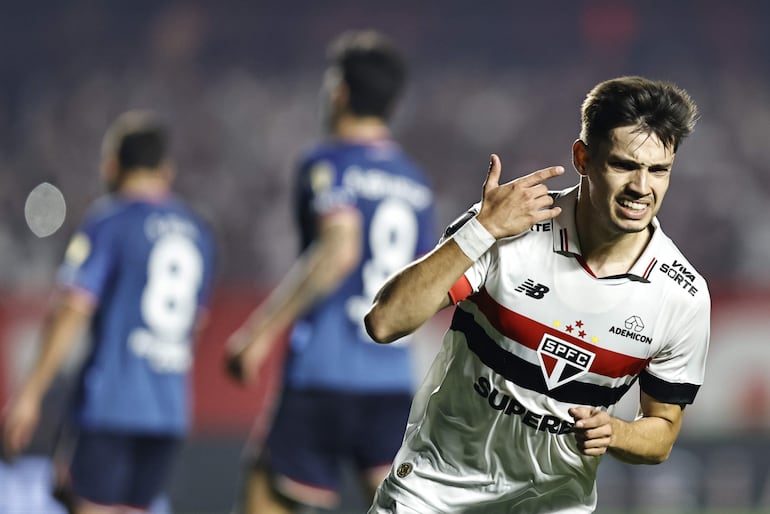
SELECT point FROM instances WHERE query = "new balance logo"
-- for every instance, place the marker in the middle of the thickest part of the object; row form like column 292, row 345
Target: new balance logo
column 536, row 291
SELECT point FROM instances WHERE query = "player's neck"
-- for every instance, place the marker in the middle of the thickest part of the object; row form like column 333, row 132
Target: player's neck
column 145, row 184
column 364, row 128
column 608, row 253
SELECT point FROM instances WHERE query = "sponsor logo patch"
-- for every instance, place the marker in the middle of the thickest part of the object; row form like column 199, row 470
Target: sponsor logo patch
column 321, row 176
column 681, row 275
column 78, row 250
column 562, row 361
column 633, row 328
column 404, row 469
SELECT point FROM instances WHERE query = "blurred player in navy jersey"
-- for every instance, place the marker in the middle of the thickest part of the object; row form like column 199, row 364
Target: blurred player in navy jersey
column 563, row 300
column 364, row 210
column 138, row 272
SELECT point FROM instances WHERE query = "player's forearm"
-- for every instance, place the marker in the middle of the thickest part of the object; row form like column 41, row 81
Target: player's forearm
column 412, row 296
column 318, row 272
column 647, row 440
column 62, row 328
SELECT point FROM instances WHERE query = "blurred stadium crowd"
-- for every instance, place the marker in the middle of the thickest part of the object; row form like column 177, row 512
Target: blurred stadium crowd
column 239, row 82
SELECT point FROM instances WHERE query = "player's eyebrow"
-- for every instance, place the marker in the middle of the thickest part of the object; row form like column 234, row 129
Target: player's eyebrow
column 620, row 162
column 631, row 164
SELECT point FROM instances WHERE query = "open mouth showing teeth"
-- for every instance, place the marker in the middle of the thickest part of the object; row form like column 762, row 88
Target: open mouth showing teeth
column 634, row 206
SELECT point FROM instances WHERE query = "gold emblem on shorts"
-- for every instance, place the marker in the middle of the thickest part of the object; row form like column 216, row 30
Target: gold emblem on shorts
column 404, row 469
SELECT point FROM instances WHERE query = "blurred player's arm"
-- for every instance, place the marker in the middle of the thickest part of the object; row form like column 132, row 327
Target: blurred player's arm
column 414, row 294
column 647, row 440
column 318, row 272
column 65, row 322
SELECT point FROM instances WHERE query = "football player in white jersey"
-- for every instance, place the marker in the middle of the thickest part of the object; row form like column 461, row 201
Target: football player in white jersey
column 563, row 300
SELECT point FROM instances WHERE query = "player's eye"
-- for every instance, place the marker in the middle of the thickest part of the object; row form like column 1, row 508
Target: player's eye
column 624, row 165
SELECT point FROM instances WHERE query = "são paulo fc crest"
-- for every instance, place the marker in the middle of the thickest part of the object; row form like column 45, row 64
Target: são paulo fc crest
column 562, row 361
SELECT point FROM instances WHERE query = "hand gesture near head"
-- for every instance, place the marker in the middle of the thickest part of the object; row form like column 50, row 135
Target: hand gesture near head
column 512, row 208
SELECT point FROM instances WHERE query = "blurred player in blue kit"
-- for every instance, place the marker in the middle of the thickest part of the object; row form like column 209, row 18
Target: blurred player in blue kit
column 364, row 210
column 138, row 273
column 563, row 300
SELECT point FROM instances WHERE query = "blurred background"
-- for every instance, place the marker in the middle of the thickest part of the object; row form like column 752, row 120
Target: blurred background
column 239, row 82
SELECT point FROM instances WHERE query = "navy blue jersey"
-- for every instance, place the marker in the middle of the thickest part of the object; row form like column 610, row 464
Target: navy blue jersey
column 149, row 266
column 329, row 345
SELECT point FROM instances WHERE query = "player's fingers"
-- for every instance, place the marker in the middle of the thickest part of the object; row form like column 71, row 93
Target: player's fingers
column 13, row 441
column 593, row 430
column 6, row 446
column 579, row 413
column 234, row 367
column 493, row 175
column 19, row 442
column 584, row 417
column 536, row 177
column 546, row 214
column 594, row 452
column 598, row 423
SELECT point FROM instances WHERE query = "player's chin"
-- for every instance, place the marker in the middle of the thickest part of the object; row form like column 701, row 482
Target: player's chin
column 633, row 226
column 631, row 221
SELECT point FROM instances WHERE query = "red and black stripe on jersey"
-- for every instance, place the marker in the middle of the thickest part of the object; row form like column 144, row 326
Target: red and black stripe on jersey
column 622, row 369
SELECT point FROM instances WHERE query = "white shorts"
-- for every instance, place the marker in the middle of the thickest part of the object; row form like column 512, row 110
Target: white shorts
column 422, row 495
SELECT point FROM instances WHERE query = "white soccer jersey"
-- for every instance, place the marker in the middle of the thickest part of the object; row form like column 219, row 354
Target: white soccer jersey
column 489, row 430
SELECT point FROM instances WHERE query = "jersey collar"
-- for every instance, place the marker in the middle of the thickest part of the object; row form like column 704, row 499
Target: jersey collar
column 565, row 238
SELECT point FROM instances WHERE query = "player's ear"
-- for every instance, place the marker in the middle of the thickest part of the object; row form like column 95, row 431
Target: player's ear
column 168, row 170
column 580, row 156
column 110, row 171
column 341, row 97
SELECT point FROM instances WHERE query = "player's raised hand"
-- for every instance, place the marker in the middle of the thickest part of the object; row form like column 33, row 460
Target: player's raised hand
column 593, row 430
column 512, row 208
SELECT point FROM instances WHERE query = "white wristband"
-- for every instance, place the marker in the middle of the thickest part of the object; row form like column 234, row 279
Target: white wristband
column 473, row 239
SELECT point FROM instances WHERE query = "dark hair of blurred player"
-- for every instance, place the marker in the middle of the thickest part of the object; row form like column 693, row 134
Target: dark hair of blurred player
column 137, row 142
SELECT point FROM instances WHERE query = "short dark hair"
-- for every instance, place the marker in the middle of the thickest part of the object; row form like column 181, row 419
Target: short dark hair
column 373, row 70
column 137, row 139
column 659, row 107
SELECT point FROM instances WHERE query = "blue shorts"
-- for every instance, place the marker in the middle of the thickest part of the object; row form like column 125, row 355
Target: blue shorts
column 315, row 432
column 119, row 469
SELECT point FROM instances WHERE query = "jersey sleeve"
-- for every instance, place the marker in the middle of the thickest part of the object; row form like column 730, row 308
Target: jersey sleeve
column 676, row 373
column 427, row 229
column 88, row 260
column 322, row 184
